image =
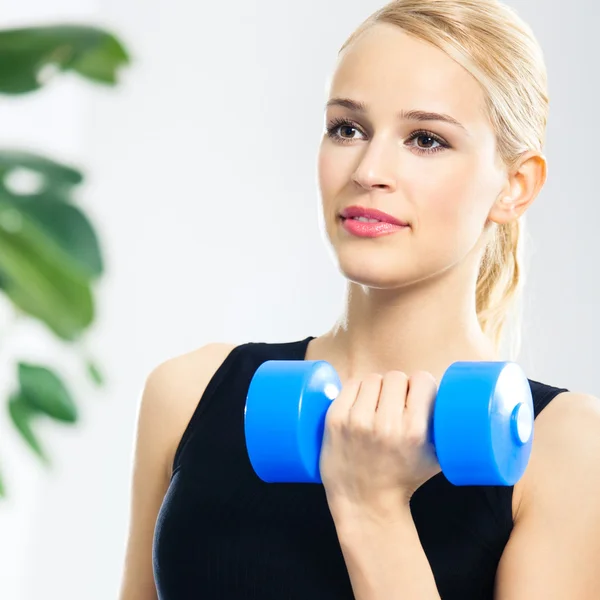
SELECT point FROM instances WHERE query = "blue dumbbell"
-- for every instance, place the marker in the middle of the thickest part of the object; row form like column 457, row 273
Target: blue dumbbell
column 482, row 422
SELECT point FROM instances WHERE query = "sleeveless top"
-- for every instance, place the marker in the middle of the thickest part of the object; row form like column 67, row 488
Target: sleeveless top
column 224, row 534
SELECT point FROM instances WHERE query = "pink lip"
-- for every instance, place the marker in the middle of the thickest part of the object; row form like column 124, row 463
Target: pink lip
column 387, row 224
column 370, row 213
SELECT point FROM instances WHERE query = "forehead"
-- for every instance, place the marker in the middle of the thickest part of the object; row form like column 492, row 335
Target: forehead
column 390, row 70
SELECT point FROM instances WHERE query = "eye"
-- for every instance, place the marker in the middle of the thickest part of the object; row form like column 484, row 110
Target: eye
column 431, row 138
column 339, row 125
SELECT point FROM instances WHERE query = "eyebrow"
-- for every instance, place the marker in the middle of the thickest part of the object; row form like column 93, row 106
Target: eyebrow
column 411, row 115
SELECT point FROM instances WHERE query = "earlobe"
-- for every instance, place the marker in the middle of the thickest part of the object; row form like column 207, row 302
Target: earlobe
column 525, row 184
column 503, row 211
column 510, row 206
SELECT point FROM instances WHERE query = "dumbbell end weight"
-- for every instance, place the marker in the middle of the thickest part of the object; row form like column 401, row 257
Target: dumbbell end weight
column 483, row 423
column 284, row 418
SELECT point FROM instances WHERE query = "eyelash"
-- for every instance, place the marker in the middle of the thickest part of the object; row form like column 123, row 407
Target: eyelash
column 336, row 123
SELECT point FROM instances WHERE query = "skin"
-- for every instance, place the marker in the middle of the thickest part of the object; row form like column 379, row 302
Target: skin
column 410, row 313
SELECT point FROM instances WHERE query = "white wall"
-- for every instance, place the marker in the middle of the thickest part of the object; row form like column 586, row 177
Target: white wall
column 202, row 180
column 25, row 122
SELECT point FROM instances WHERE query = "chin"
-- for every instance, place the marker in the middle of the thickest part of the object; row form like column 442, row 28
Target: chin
column 386, row 268
column 378, row 275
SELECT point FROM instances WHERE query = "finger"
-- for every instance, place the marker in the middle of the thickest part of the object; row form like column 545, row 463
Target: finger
column 392, row 400
column 420, row 402
column 363, row 410
column 340, row 407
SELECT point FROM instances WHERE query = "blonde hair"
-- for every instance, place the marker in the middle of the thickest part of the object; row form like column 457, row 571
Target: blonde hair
column 500, row 51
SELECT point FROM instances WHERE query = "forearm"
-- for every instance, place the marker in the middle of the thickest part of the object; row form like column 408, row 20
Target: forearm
column 385, row 560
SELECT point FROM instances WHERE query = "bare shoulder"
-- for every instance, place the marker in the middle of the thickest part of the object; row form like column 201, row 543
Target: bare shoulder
column 171, row 392
column 174, row 388
column 553, row 548
column 566, row 432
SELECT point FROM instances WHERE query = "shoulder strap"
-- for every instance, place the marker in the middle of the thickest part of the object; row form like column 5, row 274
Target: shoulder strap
column 543, row 394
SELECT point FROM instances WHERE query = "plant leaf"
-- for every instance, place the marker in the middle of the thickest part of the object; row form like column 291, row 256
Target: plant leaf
column 94, row 373
column 46, row 392
column 64, row 224
column 57, row 178
column 27, row 53
column 100, row 62
column 22, row 414
column 70, row 230
column 2, row 487
column 37, row 278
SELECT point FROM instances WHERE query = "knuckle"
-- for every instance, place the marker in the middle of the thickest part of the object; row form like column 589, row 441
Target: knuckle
column 334, row 421
column 415, row 434
column 360, row 425
column 373, row 378
column 388, row 431
column 396, row 377
column 424, row 377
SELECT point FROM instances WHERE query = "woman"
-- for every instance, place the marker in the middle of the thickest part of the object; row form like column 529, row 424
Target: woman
column 436, row 117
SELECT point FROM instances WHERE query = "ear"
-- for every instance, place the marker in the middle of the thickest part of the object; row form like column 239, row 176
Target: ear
column 525, row 181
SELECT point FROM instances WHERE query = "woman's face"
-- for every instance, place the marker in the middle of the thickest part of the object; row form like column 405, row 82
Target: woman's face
column 440, row 178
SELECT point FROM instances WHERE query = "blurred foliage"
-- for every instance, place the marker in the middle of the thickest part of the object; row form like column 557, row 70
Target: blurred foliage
column 50, row 254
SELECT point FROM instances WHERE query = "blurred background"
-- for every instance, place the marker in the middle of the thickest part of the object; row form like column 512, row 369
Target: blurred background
column 178, row 154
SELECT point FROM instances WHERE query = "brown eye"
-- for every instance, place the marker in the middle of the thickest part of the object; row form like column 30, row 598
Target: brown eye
column 345, row 127
column 429, row 139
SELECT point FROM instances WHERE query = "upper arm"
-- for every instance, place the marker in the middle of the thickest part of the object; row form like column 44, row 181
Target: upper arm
column 169, row 397
column 554, row 549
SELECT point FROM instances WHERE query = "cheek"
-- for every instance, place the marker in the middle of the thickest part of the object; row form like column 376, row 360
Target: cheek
column 452, row 210
column 329, row 182
column 334, row 170
column 455, row 196
column 326, row 172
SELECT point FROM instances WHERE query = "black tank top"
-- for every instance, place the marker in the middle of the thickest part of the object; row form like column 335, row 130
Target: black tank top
column 223, row 534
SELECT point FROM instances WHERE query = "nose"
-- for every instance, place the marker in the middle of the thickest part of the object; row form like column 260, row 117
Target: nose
column 376, row 169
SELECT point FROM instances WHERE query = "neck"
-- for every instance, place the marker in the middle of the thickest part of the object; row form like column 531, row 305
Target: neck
column 425, row 326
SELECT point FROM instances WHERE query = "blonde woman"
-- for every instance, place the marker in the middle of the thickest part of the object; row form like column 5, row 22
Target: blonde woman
column 432, row 154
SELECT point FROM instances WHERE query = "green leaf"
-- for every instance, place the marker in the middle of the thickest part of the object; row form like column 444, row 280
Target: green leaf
column 57, row 178
column 94, row 373
column 66, row 226
column 27, row 53
column 100, row 63
column 2, row 487
column 22, row 415
column 38, row 280
column 46, row 392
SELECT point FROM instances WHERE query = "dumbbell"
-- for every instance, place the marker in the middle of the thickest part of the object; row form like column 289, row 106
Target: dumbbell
column 482, row 426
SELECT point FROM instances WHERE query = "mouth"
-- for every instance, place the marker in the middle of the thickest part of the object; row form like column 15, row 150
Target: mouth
column 370, row 228
column 370, row 215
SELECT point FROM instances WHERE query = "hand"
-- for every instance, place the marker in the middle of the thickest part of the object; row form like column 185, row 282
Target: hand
column 377, row 448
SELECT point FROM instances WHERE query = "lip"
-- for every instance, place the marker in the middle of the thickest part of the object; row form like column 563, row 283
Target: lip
column 370, row 230
column 371, row 213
